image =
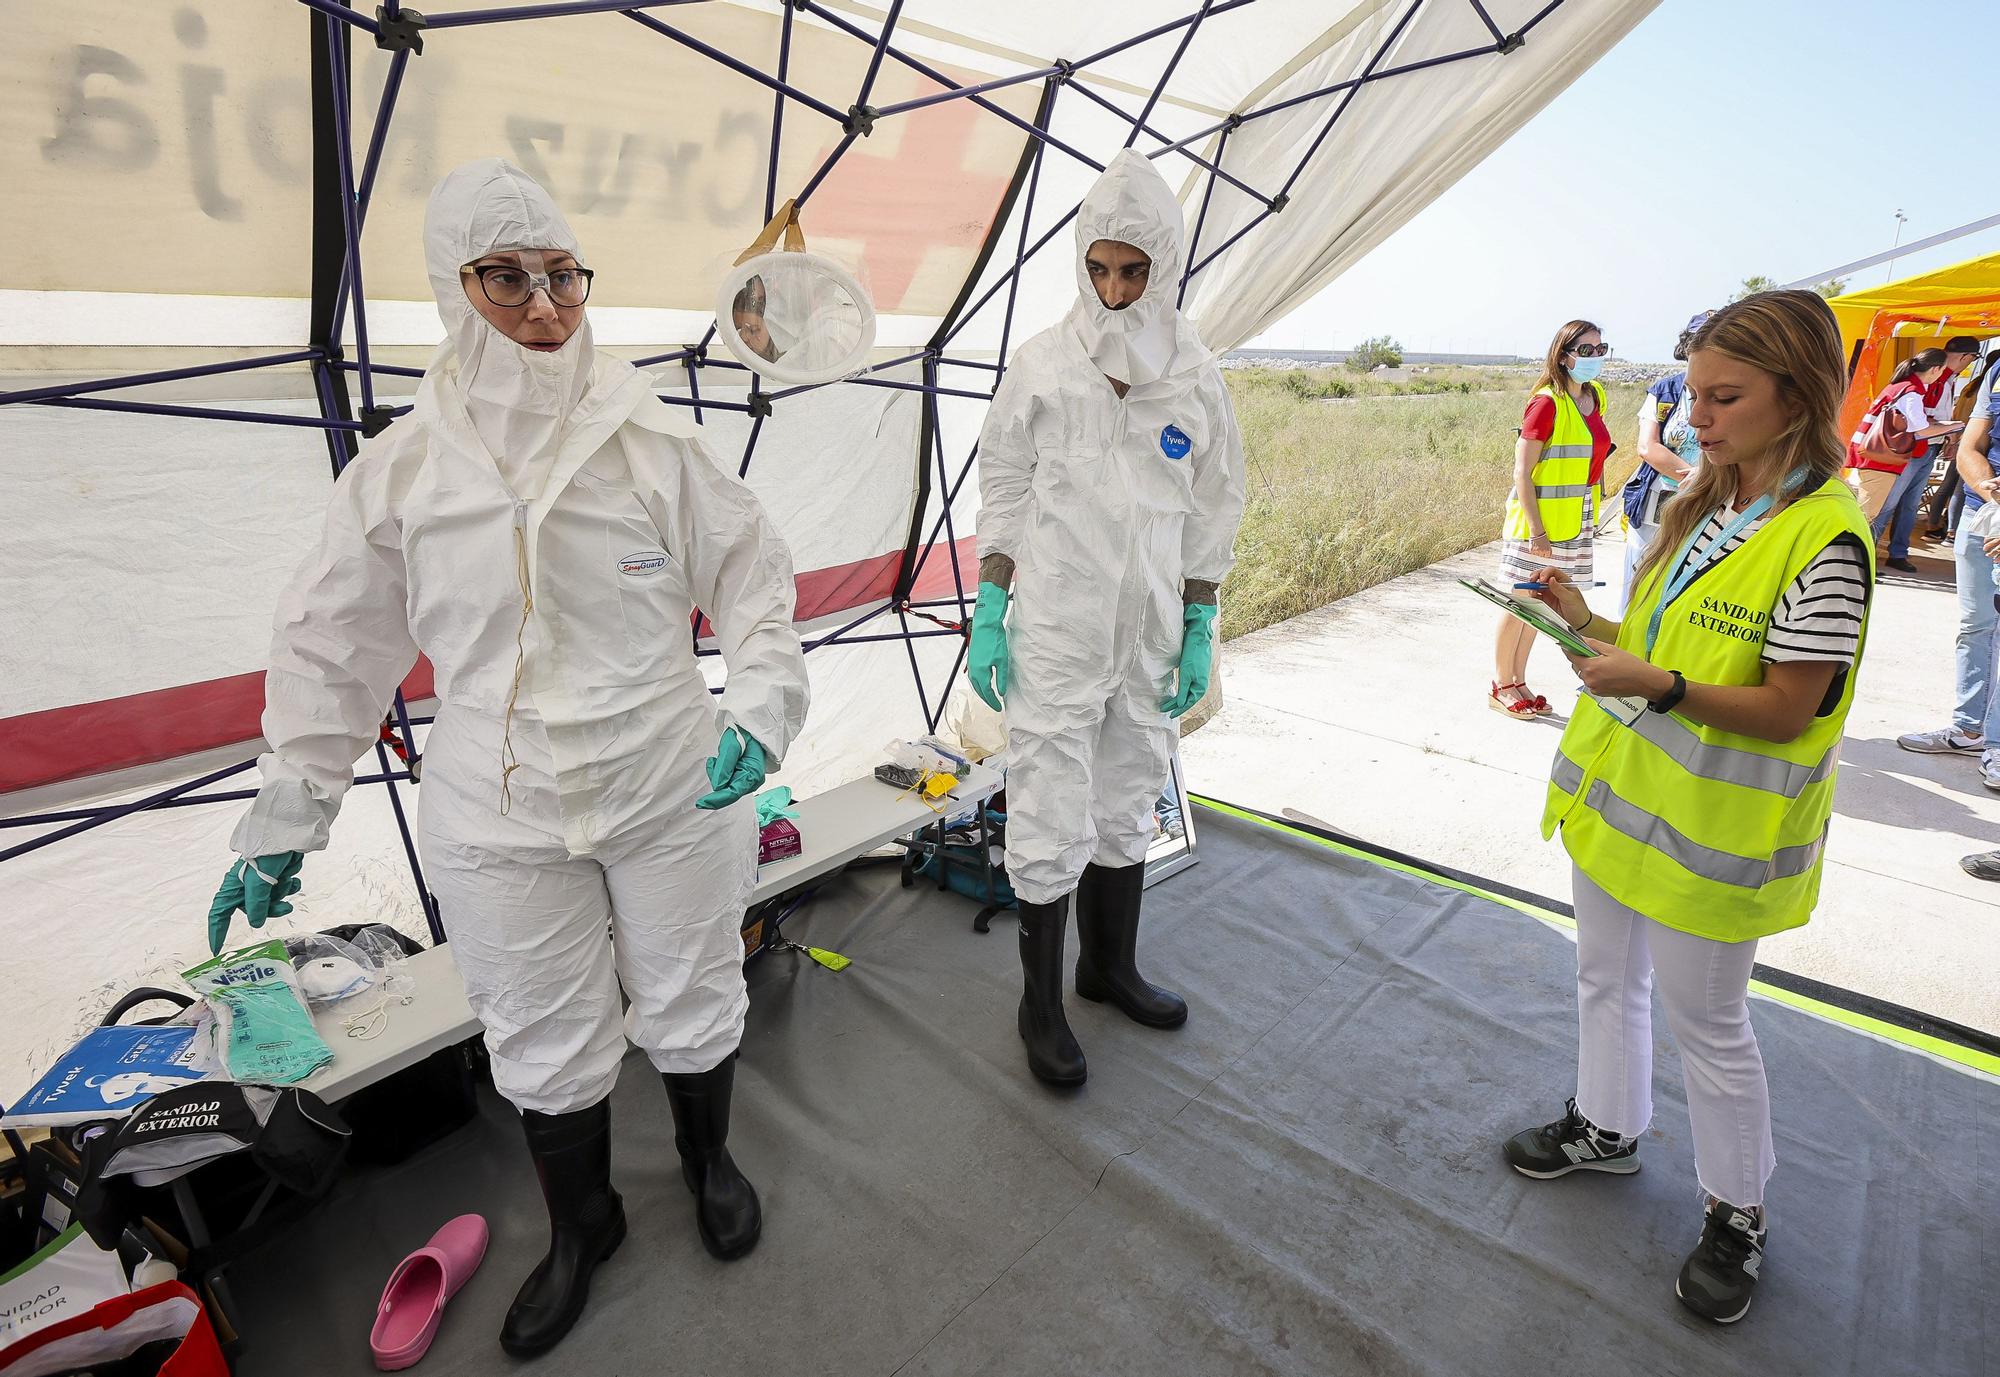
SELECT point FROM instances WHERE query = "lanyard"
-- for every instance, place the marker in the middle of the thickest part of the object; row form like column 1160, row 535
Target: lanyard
column 1688, row 564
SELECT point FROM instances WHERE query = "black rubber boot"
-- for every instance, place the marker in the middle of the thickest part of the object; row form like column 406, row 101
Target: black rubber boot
column 572, row 1155
column 1107, row 931
column 1053, row 1054
column 726, row 1209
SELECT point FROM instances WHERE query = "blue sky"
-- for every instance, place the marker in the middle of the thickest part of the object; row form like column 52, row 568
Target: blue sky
column 1721, row 138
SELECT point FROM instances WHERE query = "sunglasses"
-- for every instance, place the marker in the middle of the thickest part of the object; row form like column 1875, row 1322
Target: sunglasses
column 1590, row 351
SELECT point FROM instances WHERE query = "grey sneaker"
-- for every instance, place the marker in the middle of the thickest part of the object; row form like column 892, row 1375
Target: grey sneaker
column 1943, row 741
column 1984, row 865
column 1989, row 770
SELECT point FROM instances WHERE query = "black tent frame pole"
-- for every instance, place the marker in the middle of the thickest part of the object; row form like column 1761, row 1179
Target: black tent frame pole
column 333, row 219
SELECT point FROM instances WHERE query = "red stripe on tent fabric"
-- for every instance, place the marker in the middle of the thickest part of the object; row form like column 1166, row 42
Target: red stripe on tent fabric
column 60, row 744
column 849, row 587
column 49, row 747
column 935, row 579
column 845, row 586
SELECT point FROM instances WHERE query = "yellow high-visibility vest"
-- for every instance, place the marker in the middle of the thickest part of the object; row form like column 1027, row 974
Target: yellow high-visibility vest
column 1562, row 474
column 1704, row 830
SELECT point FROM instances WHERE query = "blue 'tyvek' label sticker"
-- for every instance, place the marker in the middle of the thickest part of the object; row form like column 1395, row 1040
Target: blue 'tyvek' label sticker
column 1174, row 443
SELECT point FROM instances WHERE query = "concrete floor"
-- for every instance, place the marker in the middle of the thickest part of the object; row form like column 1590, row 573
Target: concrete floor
column 1370, row 716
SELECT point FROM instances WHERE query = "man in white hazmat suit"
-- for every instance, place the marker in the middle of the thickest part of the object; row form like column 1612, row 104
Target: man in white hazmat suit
column 1111, row 485
column 543, row 528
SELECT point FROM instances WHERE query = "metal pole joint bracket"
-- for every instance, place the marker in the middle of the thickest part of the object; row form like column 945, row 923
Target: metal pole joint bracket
column 402, row 31
column 860, row 120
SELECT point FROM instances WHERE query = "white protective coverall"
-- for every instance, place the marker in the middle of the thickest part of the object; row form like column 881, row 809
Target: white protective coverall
column 621, row 524
column 1107, row 506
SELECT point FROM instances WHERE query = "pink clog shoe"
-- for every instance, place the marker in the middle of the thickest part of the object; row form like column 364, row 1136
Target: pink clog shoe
column 413, row 1302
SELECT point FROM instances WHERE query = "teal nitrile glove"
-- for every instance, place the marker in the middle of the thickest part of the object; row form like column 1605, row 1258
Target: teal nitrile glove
column 736, row 769
column 773, row 804
column 259, row 887
column 986, row 660
column 1197, row 657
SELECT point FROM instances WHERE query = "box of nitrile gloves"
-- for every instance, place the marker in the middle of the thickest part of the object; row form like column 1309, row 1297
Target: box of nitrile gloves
column 778, row 841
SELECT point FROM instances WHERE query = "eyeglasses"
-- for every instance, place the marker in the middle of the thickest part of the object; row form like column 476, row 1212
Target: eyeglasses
column 507, row 285
column 1591, row 351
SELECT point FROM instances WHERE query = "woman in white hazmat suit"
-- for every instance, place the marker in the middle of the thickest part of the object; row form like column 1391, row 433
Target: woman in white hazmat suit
column 1111, row 486
column 543, row 528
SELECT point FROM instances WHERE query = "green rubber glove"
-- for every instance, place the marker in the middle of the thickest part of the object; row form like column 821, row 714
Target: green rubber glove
column 773, row 804
column 259, row 887
column 986, row 660
column 1197, row 658
column 735, row 770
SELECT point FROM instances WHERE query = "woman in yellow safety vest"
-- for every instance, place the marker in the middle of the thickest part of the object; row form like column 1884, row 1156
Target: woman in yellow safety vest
column 1558, row 489
column 1695, row 780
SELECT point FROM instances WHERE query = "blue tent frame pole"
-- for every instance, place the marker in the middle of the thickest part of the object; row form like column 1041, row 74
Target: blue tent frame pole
column 458, row 19
column 378, row 140
column 953, row 89
column 1200, row 221
column 1395, row 36
column 778, row 116
column 736, row 65
column 1160, row 86
column 343, row 139
column 201, row 413
column 1214, row 169
column 1487, row 19
column 881, row 47
column 206, row 370
column 337, row 9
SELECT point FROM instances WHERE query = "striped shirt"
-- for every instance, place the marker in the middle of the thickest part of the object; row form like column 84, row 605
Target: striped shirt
column 1819, row 618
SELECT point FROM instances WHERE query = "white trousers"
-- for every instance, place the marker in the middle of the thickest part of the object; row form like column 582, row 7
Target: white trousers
column 1083, row 793
column 545, row 942
column 1704, row 987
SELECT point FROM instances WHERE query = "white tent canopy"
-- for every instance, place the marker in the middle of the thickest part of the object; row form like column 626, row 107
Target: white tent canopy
column 180, row 176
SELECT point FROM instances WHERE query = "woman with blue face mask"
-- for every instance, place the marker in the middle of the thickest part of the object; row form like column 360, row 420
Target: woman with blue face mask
column 1558, row 491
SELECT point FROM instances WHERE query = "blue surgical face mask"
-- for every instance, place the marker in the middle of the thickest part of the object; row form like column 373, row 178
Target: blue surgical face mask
column 1586, row 370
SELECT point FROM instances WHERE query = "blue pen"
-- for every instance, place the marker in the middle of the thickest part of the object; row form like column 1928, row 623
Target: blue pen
column 1543, row 587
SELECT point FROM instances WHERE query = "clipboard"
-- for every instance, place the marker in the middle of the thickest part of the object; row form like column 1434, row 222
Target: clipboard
column 1535, row 615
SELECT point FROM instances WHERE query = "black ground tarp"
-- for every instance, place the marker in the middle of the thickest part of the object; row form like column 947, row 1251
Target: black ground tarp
column 1306, row 1179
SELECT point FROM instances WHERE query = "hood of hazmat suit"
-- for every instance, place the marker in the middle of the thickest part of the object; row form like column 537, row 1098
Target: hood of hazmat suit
column 516, row 397
column 1110, row 507
column 543, row 528
column 1131, row 204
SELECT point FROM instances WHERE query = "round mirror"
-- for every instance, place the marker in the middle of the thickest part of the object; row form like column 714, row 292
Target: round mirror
column 795, row 317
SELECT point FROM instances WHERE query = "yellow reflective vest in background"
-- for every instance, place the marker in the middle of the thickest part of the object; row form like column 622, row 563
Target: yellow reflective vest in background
column 1562, row 474
column 1704, row 830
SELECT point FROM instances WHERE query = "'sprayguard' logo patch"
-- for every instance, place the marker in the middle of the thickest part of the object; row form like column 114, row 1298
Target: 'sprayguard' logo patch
column 642, row 565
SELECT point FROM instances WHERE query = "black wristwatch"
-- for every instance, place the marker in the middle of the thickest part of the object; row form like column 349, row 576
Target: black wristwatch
column 1671, row 699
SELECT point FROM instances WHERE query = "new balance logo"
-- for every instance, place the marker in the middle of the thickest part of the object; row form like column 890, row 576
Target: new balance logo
column 1752, row 1263
column 1580, row 1152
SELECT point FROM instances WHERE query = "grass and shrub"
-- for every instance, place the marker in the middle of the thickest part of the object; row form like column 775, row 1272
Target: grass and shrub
column 1349, row 488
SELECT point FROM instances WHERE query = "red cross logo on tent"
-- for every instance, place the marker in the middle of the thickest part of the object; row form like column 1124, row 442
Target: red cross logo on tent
column 912, row 199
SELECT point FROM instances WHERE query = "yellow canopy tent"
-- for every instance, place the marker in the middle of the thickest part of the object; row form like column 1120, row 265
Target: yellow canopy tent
column 1882, row 326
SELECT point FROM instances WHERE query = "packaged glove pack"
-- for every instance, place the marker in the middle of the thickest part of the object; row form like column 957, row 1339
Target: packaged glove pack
column 263, row 1033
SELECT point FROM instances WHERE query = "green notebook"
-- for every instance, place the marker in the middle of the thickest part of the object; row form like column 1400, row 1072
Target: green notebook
column 1534, row 614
